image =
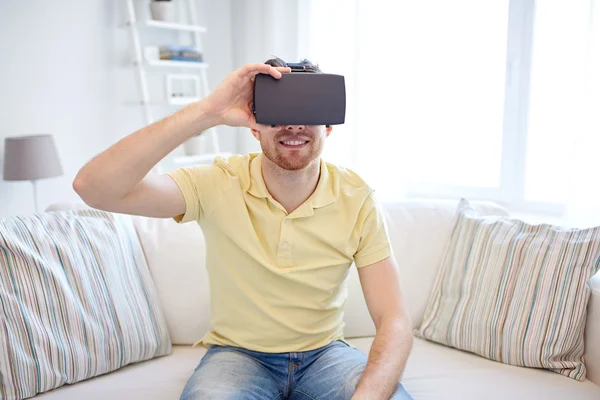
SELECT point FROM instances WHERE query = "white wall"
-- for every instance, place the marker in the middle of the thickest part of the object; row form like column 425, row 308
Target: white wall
column 263, row 29
column 64, row 70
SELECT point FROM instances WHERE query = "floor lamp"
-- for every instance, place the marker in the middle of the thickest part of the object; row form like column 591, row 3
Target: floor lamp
column 31, row 158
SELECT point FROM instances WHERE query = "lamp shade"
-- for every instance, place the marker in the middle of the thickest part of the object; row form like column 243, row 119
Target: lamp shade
column 28, row 158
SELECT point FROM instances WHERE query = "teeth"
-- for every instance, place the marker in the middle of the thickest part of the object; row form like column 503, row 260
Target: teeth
column 294, row 143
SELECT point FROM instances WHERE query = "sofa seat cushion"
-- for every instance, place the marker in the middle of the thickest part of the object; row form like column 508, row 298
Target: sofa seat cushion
column 438, row 372
column 433, row 372
column 161, row 378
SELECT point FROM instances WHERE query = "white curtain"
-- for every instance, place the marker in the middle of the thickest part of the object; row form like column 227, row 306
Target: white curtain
column 583, row 202
column 419, row 97
column 427, row 83
column 329, row 35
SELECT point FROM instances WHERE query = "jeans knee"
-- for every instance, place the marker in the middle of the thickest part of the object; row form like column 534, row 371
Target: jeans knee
column 352, row 381
column 228, row 374
column 206, row 393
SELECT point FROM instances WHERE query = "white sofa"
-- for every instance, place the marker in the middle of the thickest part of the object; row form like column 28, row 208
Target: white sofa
column 419, row 231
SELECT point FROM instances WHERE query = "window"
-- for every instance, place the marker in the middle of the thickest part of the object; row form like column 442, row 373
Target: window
column 558, row 71
column 443, row 87
column 455, row 98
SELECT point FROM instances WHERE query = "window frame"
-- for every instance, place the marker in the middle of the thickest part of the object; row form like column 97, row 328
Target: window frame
column 511, row 191
column 519, row 52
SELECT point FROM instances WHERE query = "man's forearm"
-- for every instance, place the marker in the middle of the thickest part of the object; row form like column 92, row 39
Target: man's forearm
column 387, row 359
column 116, row 171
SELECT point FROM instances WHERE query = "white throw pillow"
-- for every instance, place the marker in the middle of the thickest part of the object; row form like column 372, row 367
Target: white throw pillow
column 514, row 292
column 176, row 256
column 77, row 300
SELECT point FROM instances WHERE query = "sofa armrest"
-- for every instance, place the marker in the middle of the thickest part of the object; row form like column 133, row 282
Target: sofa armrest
column 592, row 332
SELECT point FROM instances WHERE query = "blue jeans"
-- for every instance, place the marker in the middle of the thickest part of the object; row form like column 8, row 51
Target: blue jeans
column 329, row 373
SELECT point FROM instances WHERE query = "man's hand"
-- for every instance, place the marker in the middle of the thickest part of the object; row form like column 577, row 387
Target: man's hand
column 231, row 101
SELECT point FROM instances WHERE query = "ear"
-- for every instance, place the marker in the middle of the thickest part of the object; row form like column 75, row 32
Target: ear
column 255, row 133
column 328, row 130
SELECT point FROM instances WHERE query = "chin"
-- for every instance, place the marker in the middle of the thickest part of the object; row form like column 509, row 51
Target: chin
column 291, row 161
column 292, row 165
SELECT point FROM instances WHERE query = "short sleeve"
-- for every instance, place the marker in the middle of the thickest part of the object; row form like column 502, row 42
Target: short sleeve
column 202, row 187
column 374, row 244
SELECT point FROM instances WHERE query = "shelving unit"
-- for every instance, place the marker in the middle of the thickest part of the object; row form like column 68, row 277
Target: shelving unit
column 175, row 26
column 141, row 63
column 177, row 64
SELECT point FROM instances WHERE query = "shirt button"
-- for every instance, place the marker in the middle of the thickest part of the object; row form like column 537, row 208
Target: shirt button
column 284, row 245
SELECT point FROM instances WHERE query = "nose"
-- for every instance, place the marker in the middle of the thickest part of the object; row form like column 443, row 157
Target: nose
column 294, row 128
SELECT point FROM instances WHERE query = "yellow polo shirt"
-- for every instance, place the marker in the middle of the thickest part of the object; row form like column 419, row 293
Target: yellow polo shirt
column 277, row 280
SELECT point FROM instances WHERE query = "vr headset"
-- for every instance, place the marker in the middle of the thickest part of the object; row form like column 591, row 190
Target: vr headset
column 300, row 98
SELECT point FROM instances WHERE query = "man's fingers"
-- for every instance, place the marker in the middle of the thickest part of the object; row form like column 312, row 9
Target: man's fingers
column 251, row 70
column 276, row 72
column 280, row 70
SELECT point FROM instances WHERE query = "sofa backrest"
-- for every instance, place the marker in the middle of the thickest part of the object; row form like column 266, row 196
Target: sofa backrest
column 176, row 255
column 418, row 229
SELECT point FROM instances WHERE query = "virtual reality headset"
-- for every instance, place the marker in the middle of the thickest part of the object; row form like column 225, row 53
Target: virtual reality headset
column 300, row 98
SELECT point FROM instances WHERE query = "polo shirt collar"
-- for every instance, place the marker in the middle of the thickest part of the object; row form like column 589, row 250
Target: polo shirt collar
column 323, row 194
column 321, row 197
column 257, row 183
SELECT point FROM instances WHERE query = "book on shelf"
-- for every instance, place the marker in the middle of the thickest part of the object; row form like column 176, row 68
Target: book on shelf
column 178, row 53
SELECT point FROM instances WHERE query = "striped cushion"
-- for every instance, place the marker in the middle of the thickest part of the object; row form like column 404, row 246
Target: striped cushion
column 76, row 300
column 514, row 293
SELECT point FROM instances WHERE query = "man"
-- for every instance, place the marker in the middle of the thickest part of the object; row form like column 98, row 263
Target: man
column 282, row 229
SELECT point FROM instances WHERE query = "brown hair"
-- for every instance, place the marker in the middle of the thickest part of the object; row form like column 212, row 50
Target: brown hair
column 306, row 64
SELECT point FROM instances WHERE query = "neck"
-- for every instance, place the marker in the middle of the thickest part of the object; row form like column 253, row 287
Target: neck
column 290, row 188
